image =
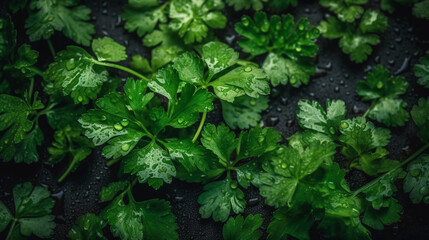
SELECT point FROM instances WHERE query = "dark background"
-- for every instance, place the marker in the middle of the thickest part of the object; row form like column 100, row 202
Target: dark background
column 406, row 38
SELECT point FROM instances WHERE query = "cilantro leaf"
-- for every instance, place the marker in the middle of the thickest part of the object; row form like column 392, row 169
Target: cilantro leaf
column 74, row 73
column 7, row 37
column 60, row 15
column 356, row 39
column 419, row 114
column 150, row 164
column 21, row 65
column 221, row 141
column 346, row 11
column 218, row 57
column 384, row 89
column 256, row 142
column 417, row 180
column 219, row 198
column 143, row 16
column 344, row 228
column 239, row 5
column 312, row 116
column 420, row 9
column 295, row 222
column 192, row 19
column 151, row 219
column 88, row 226
column 110, row 191
column 244, row 112
column 15, row 125
column 27, row 149
column 106, row 49
column 359, row 139
column 33, row 207
column 289, row 169
column 290, row 45
column 421, row 70
column 384, row 216
column 242, row 229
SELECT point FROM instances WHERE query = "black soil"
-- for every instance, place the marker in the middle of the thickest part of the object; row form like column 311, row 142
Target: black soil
column 403, row 43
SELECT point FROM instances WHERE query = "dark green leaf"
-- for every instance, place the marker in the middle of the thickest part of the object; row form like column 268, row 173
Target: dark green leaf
column 244, row 112
column 88, row 227
column 242, row 229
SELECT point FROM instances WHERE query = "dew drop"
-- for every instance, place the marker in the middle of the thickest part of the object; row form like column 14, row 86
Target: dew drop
column 332, row 130
column 180, row 120
column 70, row 64
column 248, row 69
column 125, row 122
column 118, row 126
column 103, row 118
column 125, row 147
column 284, row 165
column 344, row 125
column 80, row 98
column 234, row 185
column 379, row 84
column 252, row 102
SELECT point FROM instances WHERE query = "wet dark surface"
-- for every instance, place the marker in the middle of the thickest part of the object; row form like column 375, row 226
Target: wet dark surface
column 405, row 41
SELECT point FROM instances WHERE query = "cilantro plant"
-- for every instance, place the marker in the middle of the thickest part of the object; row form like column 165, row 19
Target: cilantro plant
column 290, row 46
column 384, row 90
column 32, row 215
column 421, row 70
column 357, row 35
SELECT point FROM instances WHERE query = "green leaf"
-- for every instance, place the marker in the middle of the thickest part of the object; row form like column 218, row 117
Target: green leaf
column 243, row 229
column 23, row 61
column 7, row 37
column 166, row 83
column 218, row 57
column 257, row 141
column 151, row 219
column 17, row 5
column 14, row 124
column 27, row 149
column 295, row 222
column 88, row 226
column 190, row 68
column 220, row 140
column 33, row 207
column 384, row 216
column 420, row 115
column 110, row 191
column 219, row 198
column 60, row 15
column 344, row 228
column 291, row 46
column 150, row 162
column 239, row 5
column 421, row 9
column 421, row 70
column 142, row 17
column 192, row 18
column 390, row 112
column 312, row 116
column 62, row 117
column 291, row 166
column 74, row 73
column 346, row 10
column 106, row 49
column 281, row 5
column 417, row 180
column 244, row 112
column 380, row 84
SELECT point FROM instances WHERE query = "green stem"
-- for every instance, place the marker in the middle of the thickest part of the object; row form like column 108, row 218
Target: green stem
column 12, row 227
column 368, row 110
column 373, row 182
column 69, row 169
column 246, row 63
column 128, row 70
column 30, row 90
column 36, row 71
column 200, row 127
column 51, row 48
column 113, row 161
column 46, row 110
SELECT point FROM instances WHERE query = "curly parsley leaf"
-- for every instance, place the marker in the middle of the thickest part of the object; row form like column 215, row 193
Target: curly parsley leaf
column 7, row 37
column 356, row 39
column 417, row 180
column 219, row 198
column 421, row 9
column 143, row 16
column 421, row 70
column 363, row 143
column 244, row 112
column 291, row 46
column 312, row 116
column 106, row 49
column 420, row 115
column 384, row 90
column 192, row 18
column 88, row 226
column 151, row 219
column 242, row 229
column 16, row 126
column 66, row 16
column 33, row 207
column 346, row 10
column 75, row 73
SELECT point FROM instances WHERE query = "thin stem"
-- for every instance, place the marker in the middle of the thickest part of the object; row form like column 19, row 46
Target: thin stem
column 12, row 227
column 128, row 70
column 200, row 127
column 69, row 169
column 368, row 110
column 246, row 63
column 51, row 48
column 36, row 71
column 30, row 90
column 46, row 110
column 113, row 161
column 373, row 182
